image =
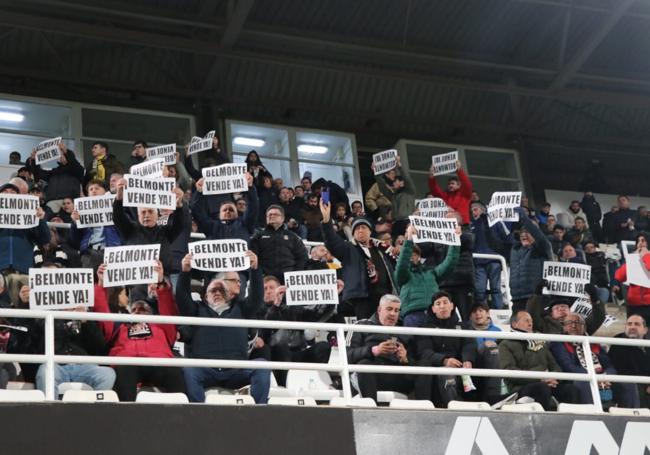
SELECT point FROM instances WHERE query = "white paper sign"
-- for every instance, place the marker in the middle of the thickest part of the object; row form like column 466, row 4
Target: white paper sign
column 94, row 211
column 445, row 163
column 384, row 161
column 311, row 287
column 48, row 150
column 566, row 279
column 636, row 271
column 198, row 144
column 582, row 306
column 18, row 211
column 153, row 193
column 220, row 255
column 437, row 230
column 133, row 264
column 151, row 169
column 226, row 178
column 432, row 207
column 502, row 207
column 166, row 152
column 57, row 289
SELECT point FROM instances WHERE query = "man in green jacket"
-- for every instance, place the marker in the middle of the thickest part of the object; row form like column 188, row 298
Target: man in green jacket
column 533, row 355
column 417, row 282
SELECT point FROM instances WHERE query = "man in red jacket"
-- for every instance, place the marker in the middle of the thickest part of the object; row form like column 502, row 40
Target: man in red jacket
column 459, row 192
column 141, row 339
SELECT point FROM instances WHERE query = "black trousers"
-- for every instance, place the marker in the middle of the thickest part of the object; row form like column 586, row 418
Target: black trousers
column 370, row 383
column 128, row 378
column 542, row 393
column 463, row 298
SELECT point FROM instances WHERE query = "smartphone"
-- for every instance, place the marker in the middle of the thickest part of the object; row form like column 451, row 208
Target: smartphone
column 393, row 339
column 325, row 195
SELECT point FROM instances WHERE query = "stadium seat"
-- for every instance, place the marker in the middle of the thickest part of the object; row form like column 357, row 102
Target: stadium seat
column 21, row 396
column 292, row 401
column 18, row 385
column 90, row 396
column 386, row 396
column 218, row 391
column 312, row 383
column 629, row 411
column 161, row 398
column 398, row 403
column 229, row 400
column 568, row 408
column 279, row 391
column 523, row 407
column 65, row 386
column 356, row 402
column 468, row 406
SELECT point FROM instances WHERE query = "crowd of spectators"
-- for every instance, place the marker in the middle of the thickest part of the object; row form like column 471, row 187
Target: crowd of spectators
column 384, row 279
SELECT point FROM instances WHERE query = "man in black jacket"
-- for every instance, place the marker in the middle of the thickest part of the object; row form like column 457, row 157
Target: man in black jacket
column 102, row 166
column 279, row 250
column 228, row 343
column 381, row 349
column 438, row 351
column 633, row 360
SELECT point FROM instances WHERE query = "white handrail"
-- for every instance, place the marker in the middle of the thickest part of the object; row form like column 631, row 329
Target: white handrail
column 343, row 368
column 507, row 297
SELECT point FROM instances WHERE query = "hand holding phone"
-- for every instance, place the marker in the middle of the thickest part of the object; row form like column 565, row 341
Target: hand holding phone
column 325, row 195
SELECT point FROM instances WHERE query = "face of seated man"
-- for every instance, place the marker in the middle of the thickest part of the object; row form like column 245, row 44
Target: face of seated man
column 388, row 312
column 148, row 217
column 442, row 307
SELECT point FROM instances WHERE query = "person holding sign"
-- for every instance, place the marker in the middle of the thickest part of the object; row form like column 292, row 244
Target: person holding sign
column 213, row 157
column 230, row 225
column 91, row 241
column 402, row 197
column 638, row 294
column 458, row 194
column 147, row 231
column 222, row 342
column 63, row 181
column 417, row 282
column 141, row 339
column 382, row 349
column 139, row 152
column 367, row 269
column 103, row 165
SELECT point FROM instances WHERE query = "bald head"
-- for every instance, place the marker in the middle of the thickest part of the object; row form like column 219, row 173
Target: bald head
column 20, row 184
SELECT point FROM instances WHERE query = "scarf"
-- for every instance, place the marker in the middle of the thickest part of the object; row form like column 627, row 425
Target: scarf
column 219, row 307
column 100, row 170
column 533, row 345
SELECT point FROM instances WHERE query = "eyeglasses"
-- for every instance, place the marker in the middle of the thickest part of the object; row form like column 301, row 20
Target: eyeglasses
column 573, row 323
column 234, row 280
column 215, row 291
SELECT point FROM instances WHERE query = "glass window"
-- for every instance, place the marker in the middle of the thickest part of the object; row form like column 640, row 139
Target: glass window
column 419, row 155
column 421, row 184
column 130, row 126
column 35, row 119
column 23, row 145
column 341, row 175
column 328, row 148
column 277, row 168
column 491, row 163
column 485, row 187
column 267, row 142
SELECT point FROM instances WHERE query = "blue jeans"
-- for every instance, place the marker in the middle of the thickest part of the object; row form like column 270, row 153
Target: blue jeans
column 625, row 395
column 491, row 272
column 99, row 378
column 415, row 319
column 198, row 379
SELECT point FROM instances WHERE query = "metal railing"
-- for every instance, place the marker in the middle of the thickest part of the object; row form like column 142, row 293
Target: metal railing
column 49, row 358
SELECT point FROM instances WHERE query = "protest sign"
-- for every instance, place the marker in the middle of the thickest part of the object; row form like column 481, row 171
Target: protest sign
column 582, row 306
column 133, row 264
column 502, row 207
column 432, row 207
column 94, row 211
column 566, row 279
column 198, row 144
column 48, row 150
column 445, row 163
column 437, row 230
column 636, row 271
column 311, row 287
column 227, row 178
column 152, row 193
column 220, row 255
column 151, row 169
column 57, row 289
column 384, row 161
column 166, row 152
column 18, row 211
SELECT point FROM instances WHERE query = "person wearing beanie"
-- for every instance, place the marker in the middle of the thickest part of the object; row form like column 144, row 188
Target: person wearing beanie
column 417, row 282
column 559, row 307
column 443, row 351
column 367, row 269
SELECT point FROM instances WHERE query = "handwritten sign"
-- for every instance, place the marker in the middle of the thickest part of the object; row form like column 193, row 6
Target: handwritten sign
column 437, row 230
column 311, row 287
column 445, row 163
column 502, row 207
column 220, row 255
column 384, row 161
column 57, row 289
column 48, row 150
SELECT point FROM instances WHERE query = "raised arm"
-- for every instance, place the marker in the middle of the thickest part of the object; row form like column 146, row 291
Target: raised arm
column 186, row 306
column 255, row 299
column 252, row 208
